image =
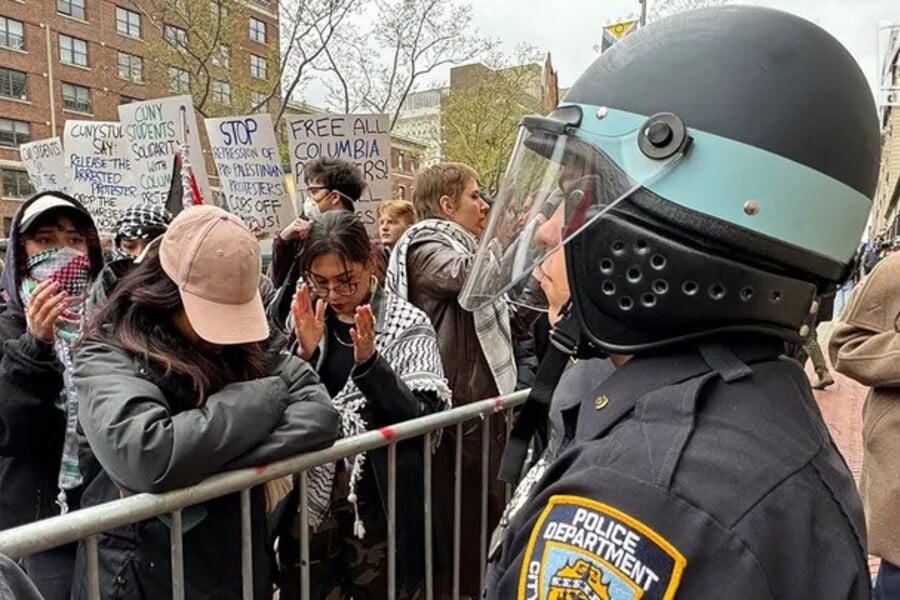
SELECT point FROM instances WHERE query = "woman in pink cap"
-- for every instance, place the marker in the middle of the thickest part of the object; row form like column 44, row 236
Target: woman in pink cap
column 178, row 382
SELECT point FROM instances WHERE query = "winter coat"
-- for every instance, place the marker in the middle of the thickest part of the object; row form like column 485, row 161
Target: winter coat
column 865, row 346
column 32, row 428
column 144, row 429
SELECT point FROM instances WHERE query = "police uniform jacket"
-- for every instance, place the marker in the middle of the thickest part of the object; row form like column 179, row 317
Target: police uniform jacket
column 701, row 472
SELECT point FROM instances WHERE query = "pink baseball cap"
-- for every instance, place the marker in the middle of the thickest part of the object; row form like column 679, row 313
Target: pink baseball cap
column 216, row 263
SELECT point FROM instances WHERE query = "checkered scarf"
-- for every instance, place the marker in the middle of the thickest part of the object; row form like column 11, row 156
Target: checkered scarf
column 406, row 340
column 492, row 322
column 142, row 221
column 71, row 269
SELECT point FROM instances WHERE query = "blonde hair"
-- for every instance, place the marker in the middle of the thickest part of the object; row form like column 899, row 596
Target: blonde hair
column 398, row 209
column 444, row 179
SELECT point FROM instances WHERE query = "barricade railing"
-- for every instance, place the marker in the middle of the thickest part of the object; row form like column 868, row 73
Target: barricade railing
column 88, row 523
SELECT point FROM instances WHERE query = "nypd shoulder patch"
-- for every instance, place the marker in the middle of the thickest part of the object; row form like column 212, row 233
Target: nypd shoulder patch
column 586, row 550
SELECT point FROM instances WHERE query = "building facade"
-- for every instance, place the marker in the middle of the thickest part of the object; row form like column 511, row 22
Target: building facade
column 885, row 219
column 81, row 59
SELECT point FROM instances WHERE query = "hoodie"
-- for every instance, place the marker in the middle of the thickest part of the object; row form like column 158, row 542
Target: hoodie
column 32, row 428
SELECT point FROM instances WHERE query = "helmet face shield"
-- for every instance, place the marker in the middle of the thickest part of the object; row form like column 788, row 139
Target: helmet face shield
column 556, row 185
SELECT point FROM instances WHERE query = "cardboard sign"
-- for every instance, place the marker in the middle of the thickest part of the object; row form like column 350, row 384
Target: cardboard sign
column 45, row 164
column 362, row 139
column 99, row 170
column 152, row 134
column 252, row 183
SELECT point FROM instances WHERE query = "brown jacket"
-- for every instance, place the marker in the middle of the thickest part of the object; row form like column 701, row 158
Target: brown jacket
column 865, row 346
column 436, row 275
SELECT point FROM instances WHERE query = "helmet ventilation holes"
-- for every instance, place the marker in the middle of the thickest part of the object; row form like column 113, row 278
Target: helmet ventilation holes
column 747, row 294
column 658, row 262
column 606, row 266
column 648, row 300
column 641, row 247
column 626, row 303
column 690, row 288
column 660, row 286
column 608, row 287
column 618, row 248
column 775, row 297
column 634, row 275
column 717, row 291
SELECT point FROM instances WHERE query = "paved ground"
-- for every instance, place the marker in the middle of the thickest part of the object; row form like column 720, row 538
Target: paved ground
column 841, row 406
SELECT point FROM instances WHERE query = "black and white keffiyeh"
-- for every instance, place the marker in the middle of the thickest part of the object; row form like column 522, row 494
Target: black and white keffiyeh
column 492, row 322
column 405, row 338
column 142, row 221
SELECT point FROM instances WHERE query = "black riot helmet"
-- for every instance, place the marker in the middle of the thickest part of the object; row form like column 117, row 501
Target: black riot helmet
column 712, row 172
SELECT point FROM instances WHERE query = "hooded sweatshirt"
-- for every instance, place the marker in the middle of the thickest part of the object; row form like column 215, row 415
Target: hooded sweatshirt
column 32, row 427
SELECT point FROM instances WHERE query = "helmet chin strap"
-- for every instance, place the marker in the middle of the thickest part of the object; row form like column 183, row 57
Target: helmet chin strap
column 567, row 342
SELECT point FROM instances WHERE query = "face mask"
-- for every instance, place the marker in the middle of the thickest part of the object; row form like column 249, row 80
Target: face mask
column 68, row 267
column 310, row 209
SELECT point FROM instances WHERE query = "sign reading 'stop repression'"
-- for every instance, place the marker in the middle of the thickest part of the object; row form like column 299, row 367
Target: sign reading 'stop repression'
column 363, row 139
column 152, row 134
column 99, row 170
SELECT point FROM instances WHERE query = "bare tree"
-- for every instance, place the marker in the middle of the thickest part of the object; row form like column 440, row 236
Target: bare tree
column 388, row 48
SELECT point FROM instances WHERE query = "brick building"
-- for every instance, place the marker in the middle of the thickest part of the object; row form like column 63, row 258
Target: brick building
column 81, row 59
column 885, row 219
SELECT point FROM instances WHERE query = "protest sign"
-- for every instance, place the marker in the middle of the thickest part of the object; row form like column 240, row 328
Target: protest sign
column 152, row 134
column 99, row 170
column 44, row 162
column 362, row 139
column 252, row 183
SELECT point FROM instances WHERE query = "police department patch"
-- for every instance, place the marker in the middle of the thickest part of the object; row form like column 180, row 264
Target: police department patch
column 585, row 550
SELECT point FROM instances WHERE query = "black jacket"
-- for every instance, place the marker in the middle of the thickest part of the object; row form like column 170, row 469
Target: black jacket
column 147, row 435
column 699, row 472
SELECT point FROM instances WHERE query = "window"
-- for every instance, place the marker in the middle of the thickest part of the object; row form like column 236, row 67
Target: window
column 13, row 84
column 258, row 67
column 175, row 36
column 71, row 8
column 222, row 58
column 131, row 67
column 16, row 183
column 12, row 34
column 402, row 192
column 258, row 99
column 13, row 133
column 179, row 80
column 127, row 100
column 73, row 51
column 7, row 226
column 257, row 31
column 128, row 22
column 221, row 92
column 76, row 98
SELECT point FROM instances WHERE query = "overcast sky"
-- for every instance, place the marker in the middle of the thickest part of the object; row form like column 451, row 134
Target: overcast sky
column 568, row 29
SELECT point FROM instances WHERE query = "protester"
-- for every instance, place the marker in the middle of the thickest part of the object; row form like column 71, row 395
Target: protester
column 428, row 266
column 394, row 218
column 331, row 184
column 864, row 346
column 14, row 583
column 378, row 357
column 178, row 380
column 53, row 255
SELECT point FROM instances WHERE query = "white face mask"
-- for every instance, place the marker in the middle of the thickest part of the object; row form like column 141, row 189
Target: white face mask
column 310, row 209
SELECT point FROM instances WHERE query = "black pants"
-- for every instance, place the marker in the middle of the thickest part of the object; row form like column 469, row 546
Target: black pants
column 887, row 584
column 51, row 571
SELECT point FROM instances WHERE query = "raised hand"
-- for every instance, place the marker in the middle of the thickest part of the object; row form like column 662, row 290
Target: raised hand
column 44, row 307
column 298, row 229
column 363, row 334
column 309, row 324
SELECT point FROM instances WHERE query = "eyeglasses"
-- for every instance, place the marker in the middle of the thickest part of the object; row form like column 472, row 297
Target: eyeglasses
column 310, row 190
column 341, row 289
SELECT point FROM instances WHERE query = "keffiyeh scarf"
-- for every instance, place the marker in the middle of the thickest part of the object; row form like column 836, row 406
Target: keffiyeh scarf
column 71, row 269
column 406, row 340
column 492, row 322
column 142, row 221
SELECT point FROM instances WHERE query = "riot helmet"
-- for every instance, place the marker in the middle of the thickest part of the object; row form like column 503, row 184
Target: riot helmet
column 710, row 173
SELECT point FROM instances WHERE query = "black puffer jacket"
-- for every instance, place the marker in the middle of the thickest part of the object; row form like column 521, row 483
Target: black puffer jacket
column 32, row 428
column 148, row 436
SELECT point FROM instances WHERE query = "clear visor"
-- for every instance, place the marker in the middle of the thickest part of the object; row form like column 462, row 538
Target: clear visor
column 556, row 186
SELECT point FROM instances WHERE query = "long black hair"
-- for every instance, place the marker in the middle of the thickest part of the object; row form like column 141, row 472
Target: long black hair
column 137, row 318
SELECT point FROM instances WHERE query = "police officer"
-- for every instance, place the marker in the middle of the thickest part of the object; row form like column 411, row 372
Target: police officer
column 716, row 171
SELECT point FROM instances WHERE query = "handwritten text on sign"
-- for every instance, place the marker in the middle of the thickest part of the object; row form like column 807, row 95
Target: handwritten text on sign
column 362, row 139
column 44, row 162
column 252, row 182
column 151, row 132
column 99, row 170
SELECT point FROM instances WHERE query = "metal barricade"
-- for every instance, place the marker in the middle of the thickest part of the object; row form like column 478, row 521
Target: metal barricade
column 88, row 523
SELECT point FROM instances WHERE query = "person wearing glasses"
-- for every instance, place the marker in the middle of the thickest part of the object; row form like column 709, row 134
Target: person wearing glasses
column 378, row 357
column 330, row 184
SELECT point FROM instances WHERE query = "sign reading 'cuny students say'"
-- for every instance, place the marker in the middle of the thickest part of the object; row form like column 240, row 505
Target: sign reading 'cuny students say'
column 152, row 131
column 99, row 170
column 362, row 139
column 44, row 162
column 252, row 182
